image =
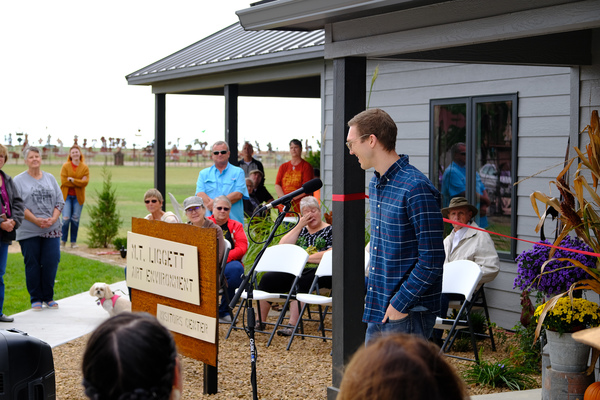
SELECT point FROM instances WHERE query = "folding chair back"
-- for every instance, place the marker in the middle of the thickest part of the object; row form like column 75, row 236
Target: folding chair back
column 460, row 278
column 288, row 258
column 325, row 267
column 222, row 283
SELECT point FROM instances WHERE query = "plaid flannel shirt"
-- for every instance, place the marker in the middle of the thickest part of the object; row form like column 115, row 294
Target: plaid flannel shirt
column 406, row 230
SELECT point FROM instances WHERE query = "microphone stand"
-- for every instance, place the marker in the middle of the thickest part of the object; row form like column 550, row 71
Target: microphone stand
column 248, row 284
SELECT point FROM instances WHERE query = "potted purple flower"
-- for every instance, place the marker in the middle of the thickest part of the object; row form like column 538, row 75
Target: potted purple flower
column 558, row 275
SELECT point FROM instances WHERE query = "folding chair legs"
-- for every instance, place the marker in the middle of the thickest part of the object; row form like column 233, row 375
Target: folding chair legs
column 299, row 323
column 483, row 304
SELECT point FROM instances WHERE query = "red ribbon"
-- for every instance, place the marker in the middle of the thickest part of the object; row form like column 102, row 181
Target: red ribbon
column 349, row 197
column 587, row 253
column 361, row 196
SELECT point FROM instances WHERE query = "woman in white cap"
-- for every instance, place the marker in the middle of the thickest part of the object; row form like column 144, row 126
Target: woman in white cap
column 195, row 211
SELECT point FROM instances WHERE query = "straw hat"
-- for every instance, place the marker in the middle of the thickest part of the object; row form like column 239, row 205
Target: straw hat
column 457, row 202
column 590, row 336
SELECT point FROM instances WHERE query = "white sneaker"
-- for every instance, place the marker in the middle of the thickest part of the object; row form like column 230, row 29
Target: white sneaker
column 225, row 320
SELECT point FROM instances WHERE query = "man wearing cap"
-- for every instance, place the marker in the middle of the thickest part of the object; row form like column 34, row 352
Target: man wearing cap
column 195, row 213
column 223, row 179
column 470, row 244
column 405, row 277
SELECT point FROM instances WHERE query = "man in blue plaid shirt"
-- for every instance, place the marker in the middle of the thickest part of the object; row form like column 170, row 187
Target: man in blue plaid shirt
column 407, row 251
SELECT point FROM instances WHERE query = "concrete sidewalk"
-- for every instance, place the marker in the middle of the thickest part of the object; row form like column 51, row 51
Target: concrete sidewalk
column 76, row 316
column 534, row 394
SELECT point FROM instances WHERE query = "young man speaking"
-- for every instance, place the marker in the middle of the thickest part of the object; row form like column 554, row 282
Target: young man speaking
column 407, row 252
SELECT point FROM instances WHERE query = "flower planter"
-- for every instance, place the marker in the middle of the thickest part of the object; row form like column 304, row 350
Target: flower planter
column 566, row 355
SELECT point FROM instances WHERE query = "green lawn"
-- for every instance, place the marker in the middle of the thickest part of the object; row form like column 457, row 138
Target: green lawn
column 131, row 182
column 75, row 275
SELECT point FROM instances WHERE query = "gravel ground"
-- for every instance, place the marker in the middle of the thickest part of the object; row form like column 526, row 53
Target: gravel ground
column 303, row 372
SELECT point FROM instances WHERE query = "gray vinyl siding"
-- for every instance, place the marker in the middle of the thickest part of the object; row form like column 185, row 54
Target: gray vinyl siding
column 404, row 90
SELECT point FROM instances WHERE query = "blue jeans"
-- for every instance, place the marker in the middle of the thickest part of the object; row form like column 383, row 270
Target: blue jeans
column 420, row 321
column 41, row 256
column 71, row 214
column 3, row 259
column 233, row 273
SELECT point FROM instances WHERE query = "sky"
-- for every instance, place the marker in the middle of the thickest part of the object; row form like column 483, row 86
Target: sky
column 64, row 64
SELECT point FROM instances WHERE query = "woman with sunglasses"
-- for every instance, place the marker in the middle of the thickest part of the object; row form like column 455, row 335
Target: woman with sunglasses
column 234, row 269
column 154, row 202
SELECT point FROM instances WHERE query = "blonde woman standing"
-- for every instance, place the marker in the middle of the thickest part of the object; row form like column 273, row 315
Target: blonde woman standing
column 74, row 177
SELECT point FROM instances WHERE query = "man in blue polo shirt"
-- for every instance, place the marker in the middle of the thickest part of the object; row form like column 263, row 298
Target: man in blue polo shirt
column 407, row 251
column 223, row 179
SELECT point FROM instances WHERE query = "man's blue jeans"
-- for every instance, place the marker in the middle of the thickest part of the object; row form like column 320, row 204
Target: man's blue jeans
column 420, row 321
column 233, row 273
column 3, row 259
column 71, row 215
column 41, row 256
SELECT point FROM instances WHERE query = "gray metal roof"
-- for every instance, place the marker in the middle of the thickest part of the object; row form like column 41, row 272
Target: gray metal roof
column 230, row 49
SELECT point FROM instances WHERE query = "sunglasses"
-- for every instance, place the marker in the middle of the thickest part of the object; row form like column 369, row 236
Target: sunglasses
column 216, row 153
column 151, row 201
column 192, row 209
column 223, row 208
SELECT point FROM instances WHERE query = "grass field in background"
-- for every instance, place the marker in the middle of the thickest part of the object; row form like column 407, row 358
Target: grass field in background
column 130, row 183
column 75, row 275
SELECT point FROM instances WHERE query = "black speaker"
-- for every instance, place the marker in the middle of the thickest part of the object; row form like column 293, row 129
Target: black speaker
column 26, row 367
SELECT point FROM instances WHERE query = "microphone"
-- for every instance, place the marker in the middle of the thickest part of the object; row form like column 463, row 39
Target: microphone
column 309, row 187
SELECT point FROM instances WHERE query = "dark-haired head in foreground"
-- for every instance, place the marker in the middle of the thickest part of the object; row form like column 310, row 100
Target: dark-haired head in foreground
column 131, row 356
column 400, row 366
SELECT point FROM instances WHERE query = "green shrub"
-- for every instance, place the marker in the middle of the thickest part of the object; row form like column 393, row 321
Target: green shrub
column 105, row 218
column 526, row 352
column 120, row 243
column 496, row 373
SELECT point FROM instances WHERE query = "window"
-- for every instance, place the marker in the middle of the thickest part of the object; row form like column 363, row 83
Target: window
column 473, row 155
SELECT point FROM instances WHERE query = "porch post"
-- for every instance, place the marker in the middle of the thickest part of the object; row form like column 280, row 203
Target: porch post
column 231, row 120
column 349, row 98
column 160, row 158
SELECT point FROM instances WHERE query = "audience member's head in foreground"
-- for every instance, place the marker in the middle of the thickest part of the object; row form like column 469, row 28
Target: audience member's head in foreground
column 131, row 356
column 400, row 366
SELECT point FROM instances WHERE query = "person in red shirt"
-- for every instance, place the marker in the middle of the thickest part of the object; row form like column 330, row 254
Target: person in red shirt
column 293, row 174
column 233, row 231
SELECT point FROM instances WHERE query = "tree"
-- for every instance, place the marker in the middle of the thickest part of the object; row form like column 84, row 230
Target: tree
column 105, row 218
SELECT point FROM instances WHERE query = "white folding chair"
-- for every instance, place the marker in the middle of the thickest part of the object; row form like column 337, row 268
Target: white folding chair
column 287, row 258
column 222, row 280
column 460, row 280
column 312, row 297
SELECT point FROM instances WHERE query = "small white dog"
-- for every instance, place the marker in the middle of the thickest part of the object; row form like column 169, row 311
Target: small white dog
column 112, row 303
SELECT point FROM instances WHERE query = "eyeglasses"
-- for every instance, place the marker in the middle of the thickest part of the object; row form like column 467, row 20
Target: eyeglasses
column 223, row 208
column 151, row 201
column 351, row 142
column 193, row 209
column 216, row 153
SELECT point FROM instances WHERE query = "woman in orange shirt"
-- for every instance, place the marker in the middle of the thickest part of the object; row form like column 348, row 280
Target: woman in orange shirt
column 74, row 177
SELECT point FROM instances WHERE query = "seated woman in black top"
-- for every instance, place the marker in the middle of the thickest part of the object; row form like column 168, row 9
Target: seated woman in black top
column 313, row 234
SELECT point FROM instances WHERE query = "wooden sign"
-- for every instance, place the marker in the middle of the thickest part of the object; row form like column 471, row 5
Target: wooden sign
column 197, row 321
